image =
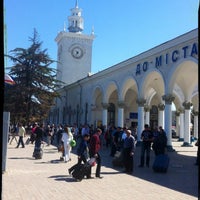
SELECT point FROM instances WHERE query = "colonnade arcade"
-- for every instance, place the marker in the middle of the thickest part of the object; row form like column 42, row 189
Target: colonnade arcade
column 134, row 102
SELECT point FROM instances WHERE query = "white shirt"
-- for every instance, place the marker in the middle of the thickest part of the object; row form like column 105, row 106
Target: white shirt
column 66, row 138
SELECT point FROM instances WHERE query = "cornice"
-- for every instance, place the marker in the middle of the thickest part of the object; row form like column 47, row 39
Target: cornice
column 64, row 34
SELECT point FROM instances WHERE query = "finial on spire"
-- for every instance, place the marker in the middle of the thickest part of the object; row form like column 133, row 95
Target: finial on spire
column 76, row 4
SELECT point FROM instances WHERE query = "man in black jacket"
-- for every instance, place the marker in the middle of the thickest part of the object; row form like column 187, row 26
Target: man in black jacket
column 147, row 138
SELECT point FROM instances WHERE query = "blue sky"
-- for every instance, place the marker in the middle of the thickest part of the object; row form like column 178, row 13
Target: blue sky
column 123, row 28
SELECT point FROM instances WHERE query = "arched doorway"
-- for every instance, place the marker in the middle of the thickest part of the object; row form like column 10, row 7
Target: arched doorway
column 111, row 113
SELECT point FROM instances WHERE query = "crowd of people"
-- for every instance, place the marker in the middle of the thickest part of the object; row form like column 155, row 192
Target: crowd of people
column 90, row 140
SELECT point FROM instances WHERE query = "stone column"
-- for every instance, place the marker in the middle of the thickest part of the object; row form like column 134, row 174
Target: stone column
column 141, row 103
column 187, row 105
column 181, row 132
column 121, row 105
column 147, row 114
column 168, row 119
column 177, row 113
column 105, row 114
column 195, row 113
column 161, row 108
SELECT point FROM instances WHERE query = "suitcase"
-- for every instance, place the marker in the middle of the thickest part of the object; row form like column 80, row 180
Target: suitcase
column 38, row 153
column 161, row 163
column 81, row 171
column 27, row 141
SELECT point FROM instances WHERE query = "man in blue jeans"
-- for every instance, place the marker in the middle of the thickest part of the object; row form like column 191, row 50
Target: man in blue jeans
column 147, row 138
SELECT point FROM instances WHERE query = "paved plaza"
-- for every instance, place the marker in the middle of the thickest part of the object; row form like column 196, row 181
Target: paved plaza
column 28, row 179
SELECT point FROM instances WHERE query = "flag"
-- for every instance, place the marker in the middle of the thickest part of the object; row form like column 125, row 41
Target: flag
column 8, row 80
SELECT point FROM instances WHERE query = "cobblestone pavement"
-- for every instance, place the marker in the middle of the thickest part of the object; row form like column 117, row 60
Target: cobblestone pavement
column 28, row 179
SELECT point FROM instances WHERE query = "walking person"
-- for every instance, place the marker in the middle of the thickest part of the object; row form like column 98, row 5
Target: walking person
column 39, row 137
column 128, row 152
column 95, row 145
column 14, row 132
column 21, row 133
column 147, row 138
column 83, row 154
column 66, row 138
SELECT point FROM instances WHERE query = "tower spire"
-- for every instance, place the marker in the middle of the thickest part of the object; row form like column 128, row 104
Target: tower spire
column 75, row 21
column 76, row 6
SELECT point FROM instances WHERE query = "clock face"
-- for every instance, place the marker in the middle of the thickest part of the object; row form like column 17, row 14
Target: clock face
column 77, row 52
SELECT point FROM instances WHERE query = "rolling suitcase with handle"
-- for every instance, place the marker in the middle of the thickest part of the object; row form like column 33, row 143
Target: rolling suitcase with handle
column 80, row 171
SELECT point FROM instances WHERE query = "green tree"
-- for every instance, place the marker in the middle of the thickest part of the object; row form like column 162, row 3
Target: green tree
column 31, row 98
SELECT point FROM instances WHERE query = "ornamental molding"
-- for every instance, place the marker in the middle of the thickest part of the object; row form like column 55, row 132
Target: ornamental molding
column 187, row 105
column 121, row 104
column 168, row 98
column 141, row 102
column 105, row 105
column 161, row 107
column 146, row 108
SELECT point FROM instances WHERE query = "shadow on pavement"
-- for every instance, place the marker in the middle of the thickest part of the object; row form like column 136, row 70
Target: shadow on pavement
column 18, row 158
column 182, row 174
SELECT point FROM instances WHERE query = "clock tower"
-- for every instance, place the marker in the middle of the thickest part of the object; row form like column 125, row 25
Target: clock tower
column 74, row 53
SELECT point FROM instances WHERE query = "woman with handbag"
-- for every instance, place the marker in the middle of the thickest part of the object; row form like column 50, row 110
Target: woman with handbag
column 66, row 138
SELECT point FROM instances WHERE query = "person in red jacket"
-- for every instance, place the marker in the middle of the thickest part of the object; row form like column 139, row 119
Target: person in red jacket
column 94, row 147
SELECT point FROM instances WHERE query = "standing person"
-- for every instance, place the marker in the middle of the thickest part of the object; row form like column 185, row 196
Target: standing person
column 160, row 142
column 128, row 152
column 198, row 152
column 48, row 134
column 85, row 130
column 32, row 138
column 147, row 138
column 66, row 138
column 21, row 133
column 95, row 145
column 76, row 132
column 108, row 136
column 53, row 133
column 59, row 135
column 82, row 152
column 39, row 136
column 115, row 141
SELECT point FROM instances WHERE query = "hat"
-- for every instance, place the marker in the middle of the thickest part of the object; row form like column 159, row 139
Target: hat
column 128, row 131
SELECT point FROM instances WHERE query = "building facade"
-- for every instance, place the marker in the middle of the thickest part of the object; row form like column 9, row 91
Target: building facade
column 140, row 90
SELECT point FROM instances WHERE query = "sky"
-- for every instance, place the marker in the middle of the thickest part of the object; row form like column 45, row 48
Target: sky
column 123, row 28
